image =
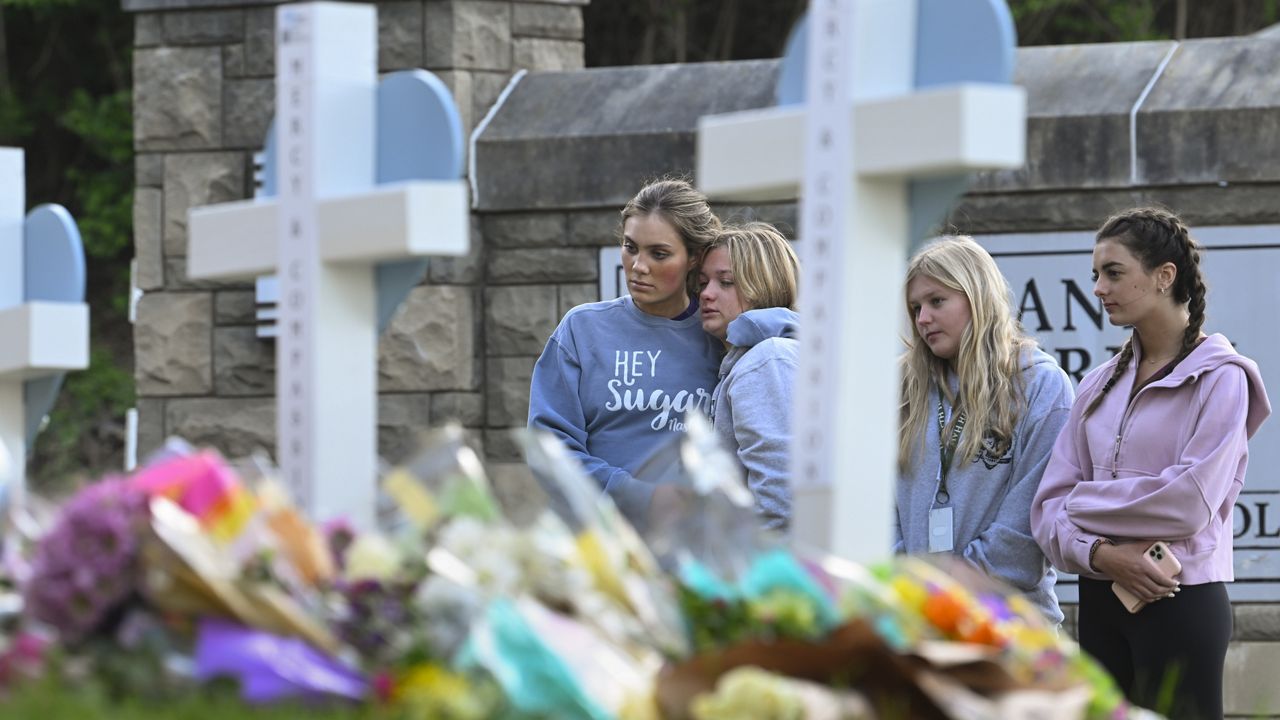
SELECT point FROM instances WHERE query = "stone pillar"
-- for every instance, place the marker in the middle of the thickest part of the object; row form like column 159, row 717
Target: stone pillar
column 204, row 95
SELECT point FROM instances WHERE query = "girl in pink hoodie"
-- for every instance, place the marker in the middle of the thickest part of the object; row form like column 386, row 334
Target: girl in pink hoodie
column 1155, row 449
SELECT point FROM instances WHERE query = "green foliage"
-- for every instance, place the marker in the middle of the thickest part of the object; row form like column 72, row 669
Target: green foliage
column 90, row 402
column 65, row 98
column 105, row 194
column 49, row 700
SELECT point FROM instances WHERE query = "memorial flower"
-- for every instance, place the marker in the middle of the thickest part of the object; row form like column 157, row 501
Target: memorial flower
column 87, row 565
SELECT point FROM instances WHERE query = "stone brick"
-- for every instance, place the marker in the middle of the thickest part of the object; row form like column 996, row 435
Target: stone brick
column 237, row 427
column 1249, row 686
column 171, row 344
column 399, row 35
column 177, row 98
column 542, row 54
column 148, row 169
column 461, row 85
column 203, row 27
column 1085, row 210
column 486, row 87
column 260, row 42
column 501, row 447
column 466, row 408
column 514, row 230
column 588, row 140
column 233, row 60
column 243, row 364
column 1257, row 622
column 148, row 214
column 175, row 278
column 571, row 296
column 430, row 344
column 595, row 227
column 542, row 265
column 403, row 420
column 468, row 35
column 235, row 307
column 463, row 270
column 148, row 30
column 195, row 179
column 249, row 105
column 517, row 491
column 508, row 392
column 519, row 319
column 151, row 434
column 1220, row 91
column 779, row 215
column 546, row 21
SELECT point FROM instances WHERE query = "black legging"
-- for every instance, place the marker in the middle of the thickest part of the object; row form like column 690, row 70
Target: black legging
column 1169, row 655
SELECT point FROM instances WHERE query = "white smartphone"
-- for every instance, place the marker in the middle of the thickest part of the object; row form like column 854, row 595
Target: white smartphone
column 1162, row 558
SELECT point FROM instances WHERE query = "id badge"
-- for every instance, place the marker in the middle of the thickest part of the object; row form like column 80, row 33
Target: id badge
column 941, row 531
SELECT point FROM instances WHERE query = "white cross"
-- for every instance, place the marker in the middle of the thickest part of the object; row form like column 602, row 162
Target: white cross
column 333, row 225
column 36, row 338
column 851, row 153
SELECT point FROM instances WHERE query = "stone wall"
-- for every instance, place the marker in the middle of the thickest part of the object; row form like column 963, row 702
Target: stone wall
column 204, row 95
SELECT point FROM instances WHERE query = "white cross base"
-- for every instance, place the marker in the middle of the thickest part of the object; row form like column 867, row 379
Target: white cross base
column 323, row 236
column 855, row 146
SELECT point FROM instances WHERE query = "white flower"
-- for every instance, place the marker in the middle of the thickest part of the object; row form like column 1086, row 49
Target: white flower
column 372, row 557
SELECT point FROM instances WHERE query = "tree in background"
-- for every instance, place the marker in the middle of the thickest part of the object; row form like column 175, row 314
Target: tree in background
column 65, row 99
column 642, row 32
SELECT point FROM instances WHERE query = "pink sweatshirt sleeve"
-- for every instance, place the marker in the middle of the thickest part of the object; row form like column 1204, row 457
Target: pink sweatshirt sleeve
column 1183, row 499
column 1066, row 545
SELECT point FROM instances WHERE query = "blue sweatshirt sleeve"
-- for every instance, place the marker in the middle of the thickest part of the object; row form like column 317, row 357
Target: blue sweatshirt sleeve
column 760, row 399
column 1007, row 549
column 556, row 407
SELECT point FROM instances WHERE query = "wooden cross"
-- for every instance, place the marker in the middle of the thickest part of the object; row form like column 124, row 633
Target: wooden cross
column 867, row 131
column 332, row 225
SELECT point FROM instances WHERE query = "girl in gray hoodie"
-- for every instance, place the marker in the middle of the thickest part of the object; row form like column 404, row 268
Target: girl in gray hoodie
column 747, row 283
column 981, row 409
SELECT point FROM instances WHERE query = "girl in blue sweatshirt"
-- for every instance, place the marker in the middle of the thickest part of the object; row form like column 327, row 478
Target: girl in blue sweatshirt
column 981, row 409
column 749, row 279
column 616, row 377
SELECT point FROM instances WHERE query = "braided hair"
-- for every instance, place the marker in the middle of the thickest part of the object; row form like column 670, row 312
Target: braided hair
column 1155, row 236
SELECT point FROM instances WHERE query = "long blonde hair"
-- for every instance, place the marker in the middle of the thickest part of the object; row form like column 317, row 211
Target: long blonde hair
column 988, row 362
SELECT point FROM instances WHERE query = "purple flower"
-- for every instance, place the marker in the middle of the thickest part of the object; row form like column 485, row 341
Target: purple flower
column 88, row 563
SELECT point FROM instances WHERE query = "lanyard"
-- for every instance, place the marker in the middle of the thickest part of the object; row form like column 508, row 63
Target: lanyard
column 946, row 451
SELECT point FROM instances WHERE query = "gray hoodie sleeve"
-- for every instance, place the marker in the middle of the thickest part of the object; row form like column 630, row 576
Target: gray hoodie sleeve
column 1006, row 549
column 760, row 402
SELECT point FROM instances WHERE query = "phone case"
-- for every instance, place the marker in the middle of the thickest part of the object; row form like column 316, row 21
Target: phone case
column 1160, row 556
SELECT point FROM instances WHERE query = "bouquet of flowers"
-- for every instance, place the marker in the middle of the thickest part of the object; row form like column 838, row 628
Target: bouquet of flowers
column 191, row 570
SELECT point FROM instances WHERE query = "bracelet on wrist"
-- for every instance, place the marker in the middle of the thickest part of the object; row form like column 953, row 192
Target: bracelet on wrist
column 1093, row 550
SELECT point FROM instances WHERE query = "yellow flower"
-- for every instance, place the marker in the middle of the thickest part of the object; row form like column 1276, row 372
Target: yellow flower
column 911, row 592
column 432, row 692
column 431, row 681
